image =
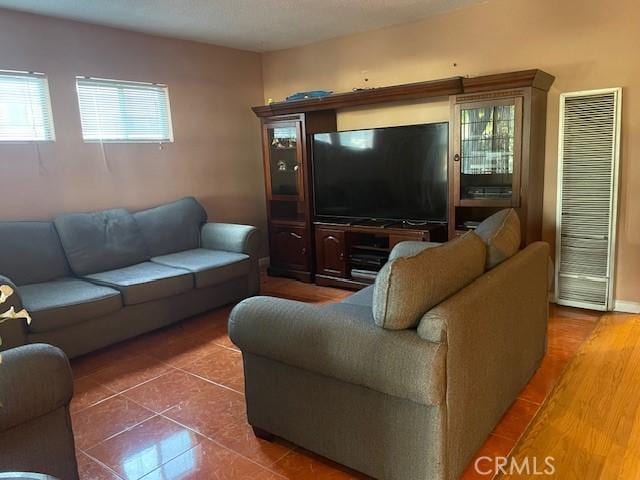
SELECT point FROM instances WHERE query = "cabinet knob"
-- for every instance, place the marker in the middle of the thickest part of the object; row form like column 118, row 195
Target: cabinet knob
column 304, row 250
column 341, row 256
column 456, row 158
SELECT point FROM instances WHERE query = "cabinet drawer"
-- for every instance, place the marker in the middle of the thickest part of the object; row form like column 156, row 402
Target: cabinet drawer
column 289, row 247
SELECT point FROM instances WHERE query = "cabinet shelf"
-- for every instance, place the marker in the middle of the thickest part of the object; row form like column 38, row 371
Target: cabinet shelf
column 288, row 221
column 370, row 248
column 342, row 248
column 284, row 198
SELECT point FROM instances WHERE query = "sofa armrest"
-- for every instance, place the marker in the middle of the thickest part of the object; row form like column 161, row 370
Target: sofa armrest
column 13, row 332
column 341, row 341
column 231, row 237
column 495, row 330
column 34, row 380
column 235, row 238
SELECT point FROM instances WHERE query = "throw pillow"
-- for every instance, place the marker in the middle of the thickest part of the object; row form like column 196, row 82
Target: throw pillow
column 501, row 233
column 407, row 287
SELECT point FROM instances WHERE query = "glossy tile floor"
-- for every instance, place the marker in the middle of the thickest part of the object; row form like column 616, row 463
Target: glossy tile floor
column 169, row 405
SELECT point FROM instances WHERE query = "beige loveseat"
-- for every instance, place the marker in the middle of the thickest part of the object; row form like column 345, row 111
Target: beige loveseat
column 413, row 403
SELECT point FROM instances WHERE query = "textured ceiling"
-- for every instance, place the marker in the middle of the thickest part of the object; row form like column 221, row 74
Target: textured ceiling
column 258, row 25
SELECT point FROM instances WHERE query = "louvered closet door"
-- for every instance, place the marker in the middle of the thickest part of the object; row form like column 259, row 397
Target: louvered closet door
column 587, row 192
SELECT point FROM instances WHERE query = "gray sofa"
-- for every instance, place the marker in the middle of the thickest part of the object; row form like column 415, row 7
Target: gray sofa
column 411, row 402
column 35, row 427
column 92, row 279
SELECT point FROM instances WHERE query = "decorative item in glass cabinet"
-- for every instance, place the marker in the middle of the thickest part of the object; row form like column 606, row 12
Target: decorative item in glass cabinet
column 284, row 137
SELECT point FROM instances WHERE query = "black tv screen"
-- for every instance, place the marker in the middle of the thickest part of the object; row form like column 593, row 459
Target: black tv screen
column 394, row 173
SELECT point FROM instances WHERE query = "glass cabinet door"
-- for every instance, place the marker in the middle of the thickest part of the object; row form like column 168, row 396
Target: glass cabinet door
column 487, row 159
column 283, row 150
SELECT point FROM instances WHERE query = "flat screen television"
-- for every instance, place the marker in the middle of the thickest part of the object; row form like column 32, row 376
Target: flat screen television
column 394, row 173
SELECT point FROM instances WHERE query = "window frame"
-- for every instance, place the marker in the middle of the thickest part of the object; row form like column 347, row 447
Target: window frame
column 112, row 81
column 46, row 108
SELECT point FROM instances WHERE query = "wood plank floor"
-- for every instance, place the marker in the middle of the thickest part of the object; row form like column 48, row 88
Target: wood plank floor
column 169, row 404
column 590, row 425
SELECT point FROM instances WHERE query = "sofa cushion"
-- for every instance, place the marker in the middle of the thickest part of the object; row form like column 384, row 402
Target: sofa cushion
column 209, row 267
column 407, row 287
column 30, row 252
column 172, row 227
column 145, row 281
column 63, row 302
column 501, row 233
column 99, row 241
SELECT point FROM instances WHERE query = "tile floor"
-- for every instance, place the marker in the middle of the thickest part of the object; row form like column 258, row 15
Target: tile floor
column 169, row 405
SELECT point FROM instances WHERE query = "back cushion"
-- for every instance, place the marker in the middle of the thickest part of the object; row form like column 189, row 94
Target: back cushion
column 501, row 234
column 407, row 287
column 100, row 241
column 30, row 252
column 409, row 248
column 172, row 227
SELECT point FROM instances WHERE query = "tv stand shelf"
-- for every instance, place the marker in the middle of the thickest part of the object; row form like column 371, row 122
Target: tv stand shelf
column 343, row 248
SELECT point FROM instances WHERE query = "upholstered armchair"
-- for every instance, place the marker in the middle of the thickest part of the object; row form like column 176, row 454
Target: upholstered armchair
column 36, row 387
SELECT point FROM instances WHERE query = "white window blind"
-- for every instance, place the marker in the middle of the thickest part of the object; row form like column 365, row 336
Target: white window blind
column 117, row 111
column 25, row 108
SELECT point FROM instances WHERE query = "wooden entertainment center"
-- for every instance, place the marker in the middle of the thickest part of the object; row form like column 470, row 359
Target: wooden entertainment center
column 496, row 160
column 345, row 251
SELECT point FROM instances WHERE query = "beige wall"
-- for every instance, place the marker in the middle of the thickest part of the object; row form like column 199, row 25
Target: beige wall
column 216, row 155
column 586, row 44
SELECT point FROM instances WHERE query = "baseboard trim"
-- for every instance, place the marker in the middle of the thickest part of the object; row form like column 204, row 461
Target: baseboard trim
column 622, row 306
column 264, row 262
column 626, row 306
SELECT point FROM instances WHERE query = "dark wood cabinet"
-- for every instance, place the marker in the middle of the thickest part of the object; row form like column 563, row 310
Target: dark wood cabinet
column 286, row 153
column 496, row 160
column 289, row 248
column 330, row 252
column 496, row 156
